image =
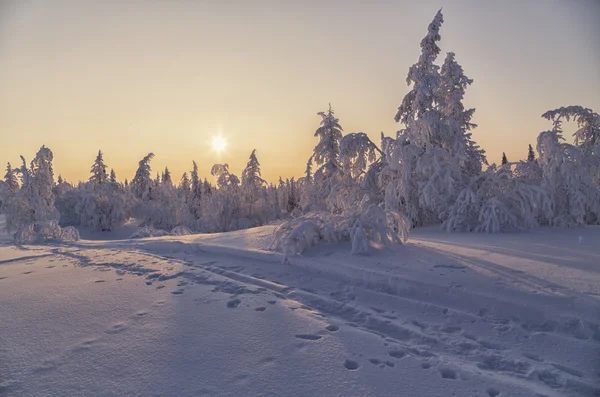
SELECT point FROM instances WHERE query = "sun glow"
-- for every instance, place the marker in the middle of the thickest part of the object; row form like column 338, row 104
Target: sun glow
column 219, row 144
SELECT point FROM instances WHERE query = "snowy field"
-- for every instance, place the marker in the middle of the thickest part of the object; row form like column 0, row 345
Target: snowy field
column 217, row 315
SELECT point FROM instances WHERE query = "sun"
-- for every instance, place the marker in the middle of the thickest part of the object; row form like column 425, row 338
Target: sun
column 219, row 144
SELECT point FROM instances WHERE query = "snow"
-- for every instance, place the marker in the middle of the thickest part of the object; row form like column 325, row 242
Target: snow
column 514, row 314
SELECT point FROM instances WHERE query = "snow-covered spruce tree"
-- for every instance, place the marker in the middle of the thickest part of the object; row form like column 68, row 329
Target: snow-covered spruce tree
column 101, row 203
column 34, row 202
column 433, row 156
column 459, row 142
column 166, row 177
column 222, row 209
column 566, row 177
column 357, row 151
column 166, row 209
column 417, row 111
column 309, row 192
column 326, row 153
column 195, row 199
column 142, row 181
column 504, row 159
column 42, row 199
column 587, row 136
column 254, row 195
column 11, row 183
column 8, row 193
column 184, row 188
column 207, row 188
column 530, row 154
column 98, row 171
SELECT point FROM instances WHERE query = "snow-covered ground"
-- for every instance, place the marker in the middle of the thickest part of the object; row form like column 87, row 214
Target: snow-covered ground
column 218, row 315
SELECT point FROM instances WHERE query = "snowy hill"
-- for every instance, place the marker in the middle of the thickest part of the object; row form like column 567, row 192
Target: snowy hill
column 217, row 315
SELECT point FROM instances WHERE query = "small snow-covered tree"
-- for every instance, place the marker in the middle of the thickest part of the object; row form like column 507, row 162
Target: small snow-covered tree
column 357, row 151
column 530, row 154
column 504, row 159
column 34, row 201
column 195, row 200
column 575, row 197
column 166, row 177
column 10, row 179
column 326, row 153
column 496, row 201
column 98, row 170
column 142, row 181
column 185, row 187
column 42, row 182
column 8, row 193
column 254, row 193
column 587, row 137
column 225, row 179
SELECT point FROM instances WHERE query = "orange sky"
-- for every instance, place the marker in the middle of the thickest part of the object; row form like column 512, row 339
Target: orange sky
column 166, row 77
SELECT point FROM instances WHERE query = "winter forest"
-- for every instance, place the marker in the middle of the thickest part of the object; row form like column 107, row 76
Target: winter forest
column 402, row 265
column 430, row 172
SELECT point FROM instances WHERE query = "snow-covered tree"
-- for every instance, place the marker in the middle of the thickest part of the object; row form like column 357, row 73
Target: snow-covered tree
column 587, row 137
column 251, row 175
column 142, row 181
column 357, row 151
column 308, row 176
column 195, row 199
column 98, row 170
column 458, row 140
column 575, row 197
column 166, row 177
column 418, row 111
column 530, row 154
column 34, row 202
column 185, row 187
column 10, row 179
column 433, row 157
column 8, row 190
column 495, row 202
column 225, row 179
column 326, row 153
column 504, row 159
column 254, row 192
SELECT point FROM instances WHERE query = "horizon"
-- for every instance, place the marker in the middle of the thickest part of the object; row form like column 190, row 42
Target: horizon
column 166, row 80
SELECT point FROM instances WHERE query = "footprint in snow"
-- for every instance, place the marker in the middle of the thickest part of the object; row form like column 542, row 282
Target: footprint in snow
column 29, row 272
column 116, row 328
column 271, row 302
column 178, row 292
column 351, row 365
column 332, row 328
column 233, row 303
column 260, row 309
column 307, row 336
column 99, row 281
column 141, row 313
column 492, row 392
column 397, row 353
column 448, row 373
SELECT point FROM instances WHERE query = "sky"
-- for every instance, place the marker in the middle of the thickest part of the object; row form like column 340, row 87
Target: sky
column 133, row 77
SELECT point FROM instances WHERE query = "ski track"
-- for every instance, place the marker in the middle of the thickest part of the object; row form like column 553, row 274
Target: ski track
column 426, row 320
